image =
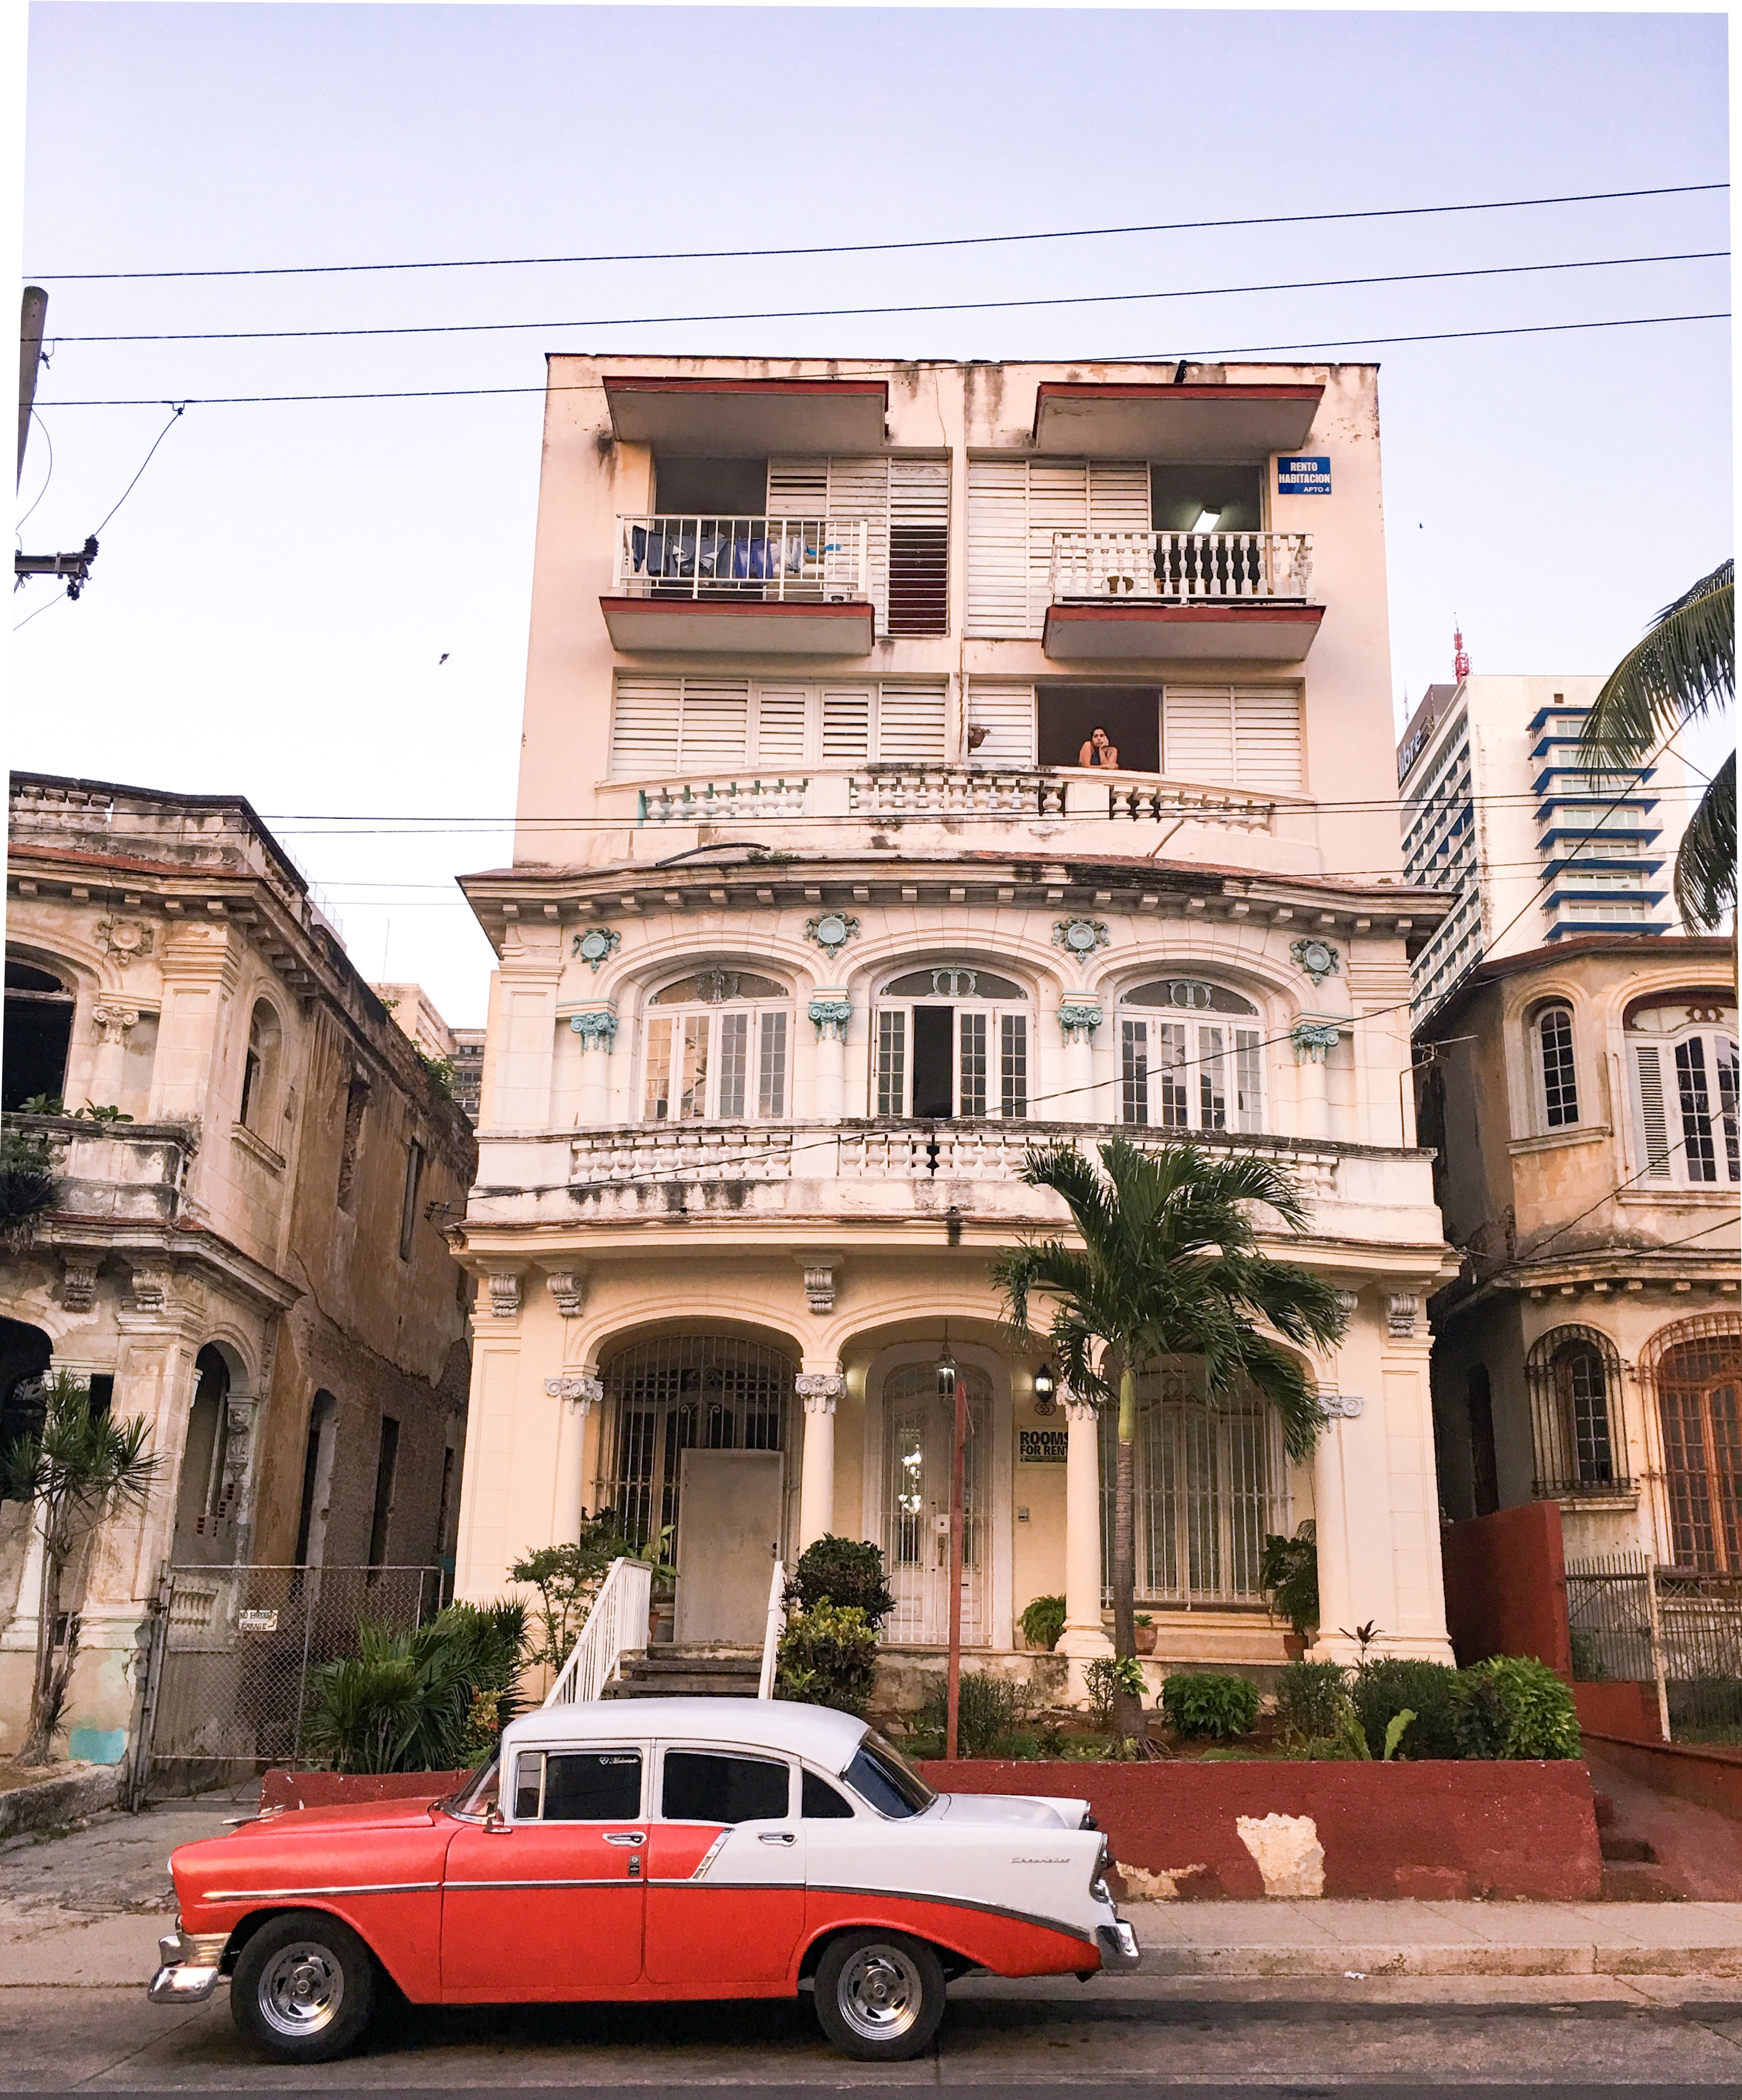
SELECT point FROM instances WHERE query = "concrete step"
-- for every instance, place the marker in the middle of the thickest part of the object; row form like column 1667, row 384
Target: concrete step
column 688, row 1673
column 1639, row 1880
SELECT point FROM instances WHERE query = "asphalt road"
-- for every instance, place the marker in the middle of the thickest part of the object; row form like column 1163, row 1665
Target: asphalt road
column 1547, row 2036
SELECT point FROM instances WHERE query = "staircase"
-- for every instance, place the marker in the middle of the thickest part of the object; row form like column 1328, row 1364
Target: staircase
column 670, row 1672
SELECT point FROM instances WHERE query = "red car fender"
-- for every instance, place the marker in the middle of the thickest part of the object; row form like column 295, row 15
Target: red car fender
column 1007, row 1943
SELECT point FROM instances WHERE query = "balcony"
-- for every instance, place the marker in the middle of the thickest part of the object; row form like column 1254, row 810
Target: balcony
column 124, row 1174
column 762, row 586
column 1123, row 597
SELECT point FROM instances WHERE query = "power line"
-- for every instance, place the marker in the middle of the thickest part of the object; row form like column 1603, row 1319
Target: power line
column 884, row 247
column 144, row 464
column 1243, row 350
column 934, row 307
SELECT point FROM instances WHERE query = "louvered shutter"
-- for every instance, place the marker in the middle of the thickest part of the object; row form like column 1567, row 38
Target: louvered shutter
column 780, row 712
column 1198, row 734
column 846, row 725
column 1058, row 502
column 997, row 548
column 1006, row 713
column 859, row 488
column 1648, row 1065
column 1267, row 738
column 798, row 488
column 1118, row 496
column 911, row 721
column 644, row 719
column 918, row 547
column 716, row 722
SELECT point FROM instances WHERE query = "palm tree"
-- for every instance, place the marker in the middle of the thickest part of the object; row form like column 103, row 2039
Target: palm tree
column 1170, row 1264
column 1685, row 668
column 75, row 1468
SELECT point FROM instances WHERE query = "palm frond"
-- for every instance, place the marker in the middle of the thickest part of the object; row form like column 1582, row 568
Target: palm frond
column 1685, row 666
column 1706, row 861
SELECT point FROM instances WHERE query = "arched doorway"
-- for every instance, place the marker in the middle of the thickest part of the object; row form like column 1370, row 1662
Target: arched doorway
column 1696, row 1368
column 26, row 1353
column 205, row 1497
column 919, row 1447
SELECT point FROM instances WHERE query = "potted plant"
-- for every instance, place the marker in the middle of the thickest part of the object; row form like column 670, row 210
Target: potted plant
column 1143, row 1634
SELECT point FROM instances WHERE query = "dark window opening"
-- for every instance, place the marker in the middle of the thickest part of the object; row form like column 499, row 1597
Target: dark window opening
column 26, row 1353
column 386, row 1464
column 818, row 1802
column 702, row 1788
column 250, row 1085
column 408, row 1201
column 305, row 1507
column 356, row 1099
column 39, row 1030
column 1068, row 715
column 919, row 580
column 1206, row 499
column 444, row 1554
column 710, row 488
column 934, row 1031
column 205, row 1502
column 102, row 1391
column 578, row 1786
column 1485, row 1466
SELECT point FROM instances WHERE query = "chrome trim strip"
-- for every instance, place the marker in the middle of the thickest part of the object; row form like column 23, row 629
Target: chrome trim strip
column 595, row 1882
column 709, row 1856
column 338, row 1889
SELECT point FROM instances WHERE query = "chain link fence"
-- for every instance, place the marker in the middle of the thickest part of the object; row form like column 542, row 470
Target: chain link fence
column 1678, row 1630
column 230, row 1656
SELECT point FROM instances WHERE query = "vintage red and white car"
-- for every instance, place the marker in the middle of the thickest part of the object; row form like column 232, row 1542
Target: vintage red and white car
column 655, row 1849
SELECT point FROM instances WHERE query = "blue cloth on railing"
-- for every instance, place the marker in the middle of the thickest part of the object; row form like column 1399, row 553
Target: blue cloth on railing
column 638, row 548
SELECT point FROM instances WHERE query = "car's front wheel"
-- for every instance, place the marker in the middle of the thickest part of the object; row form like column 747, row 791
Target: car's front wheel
column 879, row 1995
column 304, row 1988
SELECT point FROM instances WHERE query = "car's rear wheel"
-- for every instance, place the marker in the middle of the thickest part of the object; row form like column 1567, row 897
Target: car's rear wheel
column 304, row 1988
column 879, row 1995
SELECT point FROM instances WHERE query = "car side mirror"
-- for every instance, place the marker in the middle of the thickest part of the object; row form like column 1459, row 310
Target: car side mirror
column 495, row 1821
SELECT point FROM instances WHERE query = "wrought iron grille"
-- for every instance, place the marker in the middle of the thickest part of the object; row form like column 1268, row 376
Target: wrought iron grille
column 713, row 1392
column 1577, row 1426
column 1680, row 1628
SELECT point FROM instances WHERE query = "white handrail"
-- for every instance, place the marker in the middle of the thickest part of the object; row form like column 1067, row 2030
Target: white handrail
column 773, row 1627
column 691, row 554
column 1185, row 566
column 617, row 1624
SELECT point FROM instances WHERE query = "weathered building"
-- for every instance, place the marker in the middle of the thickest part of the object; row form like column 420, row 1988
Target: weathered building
column 922, row 763
column 254, row 1257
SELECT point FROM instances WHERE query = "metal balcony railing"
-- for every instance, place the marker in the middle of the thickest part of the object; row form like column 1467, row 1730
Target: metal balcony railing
column 816, row 561
column 1180, row 568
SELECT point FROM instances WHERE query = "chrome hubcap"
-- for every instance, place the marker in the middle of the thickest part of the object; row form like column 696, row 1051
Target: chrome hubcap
column 301, row 1988
column 881, row 1993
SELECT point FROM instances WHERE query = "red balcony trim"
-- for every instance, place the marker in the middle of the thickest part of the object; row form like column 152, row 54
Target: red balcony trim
column 854, row 609
column 828, row 388
column 1191, row 615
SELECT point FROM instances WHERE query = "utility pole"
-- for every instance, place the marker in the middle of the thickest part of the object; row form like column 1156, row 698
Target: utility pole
column 76, row 568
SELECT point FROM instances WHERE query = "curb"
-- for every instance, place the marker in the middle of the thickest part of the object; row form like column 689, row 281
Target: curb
column 83, row 1791
column 1489, row 1958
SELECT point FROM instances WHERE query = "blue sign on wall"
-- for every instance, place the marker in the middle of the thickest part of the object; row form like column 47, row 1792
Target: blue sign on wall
column 1303, row 477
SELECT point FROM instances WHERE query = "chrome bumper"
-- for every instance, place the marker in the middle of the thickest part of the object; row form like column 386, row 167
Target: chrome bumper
column 190, row 1971
column 1118, row 1945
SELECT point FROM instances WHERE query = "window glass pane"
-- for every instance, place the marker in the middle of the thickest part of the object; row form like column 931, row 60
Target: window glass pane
column 657, row 1105
column 818, row 1802
column 701, row 1787
column 1727, row 1108
column 1249, row 1078
column 1588, row 1406
column 592, row 1786
column 971, row 1097
column 693, row 1071
column 892, row 1063
column 1559, row 1092
column 528, row 1770
column 1175, row 1100
column 1134, row 1071
column 888, row 1781
column 1696, row 1111
column 1012, row 1065
column 735, row 1037
column 770, row 1091
column 1213, row 1088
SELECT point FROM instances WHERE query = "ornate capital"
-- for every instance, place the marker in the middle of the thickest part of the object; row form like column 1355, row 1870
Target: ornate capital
column 819, row 1391
column 1319, row 959
column 1079, row 936
column 149, row 1292
column 831, row 931
column 597, row 1027
column 1401, row 1308
column 1078, row 1019
column 1341, row 1406
column 581, row 1390
column 819, row 1286
column 1076, row 1408
column 568, row 1286
column 78, row 1288
column 114, row 1020
column 505, row 1294
column 1312, row 1039
column 831, row 1016
column 597, row 944
column 1348, row 1300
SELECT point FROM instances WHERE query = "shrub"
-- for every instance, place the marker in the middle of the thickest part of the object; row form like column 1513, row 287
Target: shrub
column 828, row 1657
column 844, row 1571
column 429, row 1700
column 1203, row 1705
column 1289, row 1575
column 1514, row 1706
column 27, row 1186
column 988, row 1714
column 1312, row 1699
column 1043, row 1622
column 1383, row 1688
column 1105, row 1678
column 568, row 1578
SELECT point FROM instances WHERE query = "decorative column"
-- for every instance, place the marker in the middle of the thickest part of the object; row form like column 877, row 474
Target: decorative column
column 832, row 1011
column 1330, row 1499
column 1083, row 1634
column 1079, row 1017
column 1314, row 1039
column 113, row 1018
column 818, row 1392
column 597, row 1027
column 578, row 1392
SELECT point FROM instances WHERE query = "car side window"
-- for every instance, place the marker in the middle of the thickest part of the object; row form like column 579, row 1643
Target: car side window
column 706, row 1786
column 577, row 1786
column 818, row 1801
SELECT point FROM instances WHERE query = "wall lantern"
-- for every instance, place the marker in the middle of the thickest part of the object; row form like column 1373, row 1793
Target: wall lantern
column 1046, row 1390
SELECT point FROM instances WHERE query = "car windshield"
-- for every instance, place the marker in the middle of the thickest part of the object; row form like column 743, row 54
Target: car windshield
column 881, row 1775
column 474, row 1793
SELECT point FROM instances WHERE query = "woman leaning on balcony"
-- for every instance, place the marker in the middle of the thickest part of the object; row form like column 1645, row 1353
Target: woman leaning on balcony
column 1100, row 750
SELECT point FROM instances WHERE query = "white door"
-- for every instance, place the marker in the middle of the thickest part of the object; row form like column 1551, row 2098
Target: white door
column 728, row 1541
column 918, row 1429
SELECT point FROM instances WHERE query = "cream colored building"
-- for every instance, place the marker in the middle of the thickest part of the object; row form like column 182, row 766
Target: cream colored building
column 817, row 921
column 256, row 1261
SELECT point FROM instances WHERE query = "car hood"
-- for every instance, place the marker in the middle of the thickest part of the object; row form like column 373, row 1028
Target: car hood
column 1048, row 1811
column 401, row 1812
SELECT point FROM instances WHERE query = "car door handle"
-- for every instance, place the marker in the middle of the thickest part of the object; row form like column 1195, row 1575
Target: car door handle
column 626, row 1837
column 776, row 1837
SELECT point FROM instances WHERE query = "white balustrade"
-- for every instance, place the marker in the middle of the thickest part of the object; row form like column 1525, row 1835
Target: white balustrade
column 1160, row 801
column 1181, row 566
column 650, row 1153
column 773, row 1626
column 816, row 560
column 754, row 801
column 616, row 1627
column 925, row 791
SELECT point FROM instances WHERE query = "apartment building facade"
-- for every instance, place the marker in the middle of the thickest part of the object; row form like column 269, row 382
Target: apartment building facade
column 922, row 763
column 252, row 1178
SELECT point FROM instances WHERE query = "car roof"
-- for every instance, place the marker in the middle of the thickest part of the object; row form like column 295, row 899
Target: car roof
column 827, row 1738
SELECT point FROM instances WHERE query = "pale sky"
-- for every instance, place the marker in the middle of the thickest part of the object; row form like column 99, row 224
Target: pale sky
column 270, row 602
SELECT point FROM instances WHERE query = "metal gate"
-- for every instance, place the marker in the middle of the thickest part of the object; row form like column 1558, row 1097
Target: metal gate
column 228, row 1660
column 1677, row 1630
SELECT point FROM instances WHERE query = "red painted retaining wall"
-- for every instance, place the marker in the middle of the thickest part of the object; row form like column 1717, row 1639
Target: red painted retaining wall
column 1505, row 1577
column 325, row 1789
column 1696, row 1771
column 1400, row 1830
column 1621, row 1709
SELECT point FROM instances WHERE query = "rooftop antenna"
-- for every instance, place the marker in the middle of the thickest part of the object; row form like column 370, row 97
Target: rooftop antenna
column 1460, row 654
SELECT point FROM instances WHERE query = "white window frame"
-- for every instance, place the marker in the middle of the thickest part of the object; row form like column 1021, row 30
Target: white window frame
column 1674, row 1149
column 996, row 1013
column 1539, row 1075
column 1143, row 1098
column 768, row 1054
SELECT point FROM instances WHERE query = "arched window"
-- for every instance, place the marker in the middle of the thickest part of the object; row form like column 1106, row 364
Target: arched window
column 1682, row 1055
column 719, row 1046
column 39, row 1030
column 1575, row 1380
column 1186, row 1061
column 260, row 1072
column 1695, row 1369
column 1557, row 1082
column 952, row 1041
column 1211, row 1485
column 206, row 1495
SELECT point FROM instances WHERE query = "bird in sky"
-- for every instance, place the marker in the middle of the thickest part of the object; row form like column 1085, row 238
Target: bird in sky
column 443, row 658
